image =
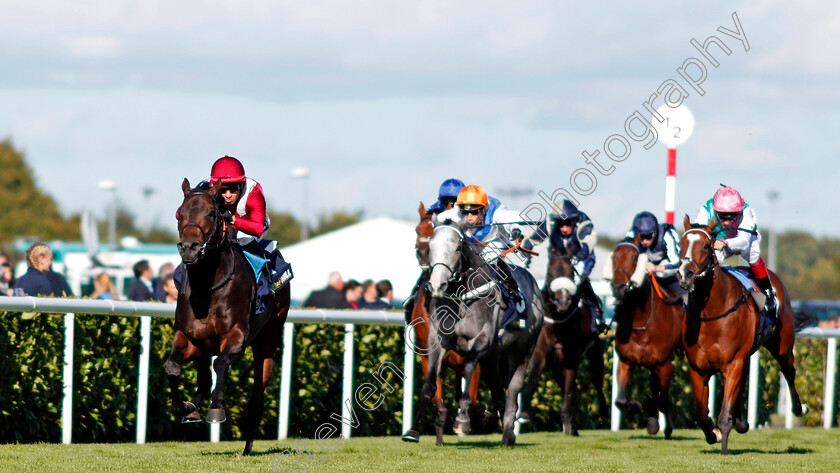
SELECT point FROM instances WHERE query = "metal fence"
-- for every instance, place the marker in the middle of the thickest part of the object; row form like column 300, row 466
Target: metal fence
column 146, row 310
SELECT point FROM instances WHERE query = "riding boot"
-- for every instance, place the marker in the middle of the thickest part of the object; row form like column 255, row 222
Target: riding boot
column 506, row 275
column 770, row 303
column 588, row 293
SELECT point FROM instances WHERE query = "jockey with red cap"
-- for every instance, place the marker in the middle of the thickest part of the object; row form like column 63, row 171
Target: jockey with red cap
column 736, row 233
column 244, row 198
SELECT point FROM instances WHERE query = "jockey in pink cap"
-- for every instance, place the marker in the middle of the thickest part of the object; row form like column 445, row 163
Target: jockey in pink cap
column 736, row 233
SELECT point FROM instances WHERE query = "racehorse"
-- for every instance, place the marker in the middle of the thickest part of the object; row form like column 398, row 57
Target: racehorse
column 213, row 312
column 649, row 328
column 565, row 337
column 417, row 315
column 721, row 331
column 467, row 311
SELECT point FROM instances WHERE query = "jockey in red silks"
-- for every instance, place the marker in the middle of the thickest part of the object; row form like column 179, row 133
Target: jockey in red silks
column 736, row 233
column 245, row 204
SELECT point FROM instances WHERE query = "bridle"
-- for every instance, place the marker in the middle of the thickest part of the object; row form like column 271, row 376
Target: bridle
column 710, row 259
column 206, row 239
column 457, row 275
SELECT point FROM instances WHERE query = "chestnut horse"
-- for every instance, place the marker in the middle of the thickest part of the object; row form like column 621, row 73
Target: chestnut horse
column 649, row 327
column 417, row 315
column 721, row 331
column 565, row 337
column 213, row 313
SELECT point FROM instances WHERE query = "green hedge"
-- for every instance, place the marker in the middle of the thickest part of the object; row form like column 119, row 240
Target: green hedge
column 105, row 383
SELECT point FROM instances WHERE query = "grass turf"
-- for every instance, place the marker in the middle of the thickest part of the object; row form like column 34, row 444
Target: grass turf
column 763, row 451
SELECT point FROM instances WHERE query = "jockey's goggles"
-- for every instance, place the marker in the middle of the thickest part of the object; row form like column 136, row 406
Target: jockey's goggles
column 447, row 201
column 647, row 236
column 232, row 188
column 472, row 210
column 727, row 216
column 567, row 223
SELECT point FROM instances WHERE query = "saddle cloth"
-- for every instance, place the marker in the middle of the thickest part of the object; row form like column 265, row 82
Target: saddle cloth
column 744, row 276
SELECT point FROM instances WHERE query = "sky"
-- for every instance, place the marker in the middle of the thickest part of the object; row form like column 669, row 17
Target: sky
column 383, row 100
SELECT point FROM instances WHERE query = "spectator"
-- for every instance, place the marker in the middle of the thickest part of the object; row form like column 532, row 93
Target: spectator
column 7, row 282
column 368, row 293
column 331, row 297
column 168, row 284
column 384, row 293
column 103, row 288
column 157, row 283
column 141, row 289
column 35, row 282
column 58, row 283
column 353, row 293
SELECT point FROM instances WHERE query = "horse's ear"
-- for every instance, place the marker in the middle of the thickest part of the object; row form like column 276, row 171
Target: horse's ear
column 712, row 224
column 185, row 186
column 216, row 188
column 687, row 223
column 422, row 210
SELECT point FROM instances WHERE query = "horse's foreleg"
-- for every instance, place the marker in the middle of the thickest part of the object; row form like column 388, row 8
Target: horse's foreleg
column 652, row 404
column 476, row 416
column 565, row 376
column 665, row 373
column 732, row 385
column 462, row 422
column 595, row 355
column 700, row 386
column 435, row 357
column 514, row 387
column 440, row 409
column 628, row 406
column 536, row 366
column 232, row 349
column 182, row 351
column 264, row 348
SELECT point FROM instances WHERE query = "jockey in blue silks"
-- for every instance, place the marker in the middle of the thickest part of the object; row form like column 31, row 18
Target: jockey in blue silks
column 447, row 195
column 661, row 244
column 570, row 231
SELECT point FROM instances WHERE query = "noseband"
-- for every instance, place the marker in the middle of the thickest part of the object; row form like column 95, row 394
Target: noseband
column 206, row 239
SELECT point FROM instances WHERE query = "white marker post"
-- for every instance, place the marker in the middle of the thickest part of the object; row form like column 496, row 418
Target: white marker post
column 673, row 130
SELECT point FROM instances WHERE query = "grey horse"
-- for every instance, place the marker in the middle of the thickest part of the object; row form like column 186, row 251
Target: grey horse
column 467, row 312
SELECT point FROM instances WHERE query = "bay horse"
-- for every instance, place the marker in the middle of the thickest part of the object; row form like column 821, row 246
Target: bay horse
column 467, row 311
column 213, row 312
column 417, row 315
column 721, row 331
column 566, row 337
column 649, row 329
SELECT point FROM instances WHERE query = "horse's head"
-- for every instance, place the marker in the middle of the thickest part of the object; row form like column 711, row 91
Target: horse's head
column 445, row 257
column 424, row 230
column 199, row 221
column 561, row 277
column 696, row 253
column 626, row 269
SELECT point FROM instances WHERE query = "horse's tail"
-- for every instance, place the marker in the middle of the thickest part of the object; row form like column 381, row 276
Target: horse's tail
column 803, row 320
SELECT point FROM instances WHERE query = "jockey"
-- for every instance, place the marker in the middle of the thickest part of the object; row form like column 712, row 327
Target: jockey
column 447, row 195
column 571, row 231
column 659, row 241
column 736, row 233
column 246, row 214
column 492, row 224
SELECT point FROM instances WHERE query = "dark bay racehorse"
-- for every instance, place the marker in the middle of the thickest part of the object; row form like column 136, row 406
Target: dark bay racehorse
column 565, row 337
column 417, row 315
column 466, row 316
column 721, row 331
column 649, row 329
column 213, row 313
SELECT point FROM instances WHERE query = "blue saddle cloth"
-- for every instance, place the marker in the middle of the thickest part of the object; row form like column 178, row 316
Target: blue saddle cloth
column 745, row 277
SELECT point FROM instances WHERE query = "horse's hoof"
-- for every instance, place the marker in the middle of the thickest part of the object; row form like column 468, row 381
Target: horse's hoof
column 742, row 427
column 653, row 425
column 183, row 409
column 411, row 436
column 668, row 431
column 718, row 436
column 804, row 408
column 524, row 418
column 192, row 417
column 216, row 416
column 461, row 427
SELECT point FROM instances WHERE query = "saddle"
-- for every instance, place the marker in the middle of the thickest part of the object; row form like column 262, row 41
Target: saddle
column 744, row 276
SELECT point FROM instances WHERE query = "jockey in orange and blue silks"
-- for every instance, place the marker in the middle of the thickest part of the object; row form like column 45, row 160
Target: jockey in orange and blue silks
column 447, row 195
column 736, row 233
column 493, row 225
